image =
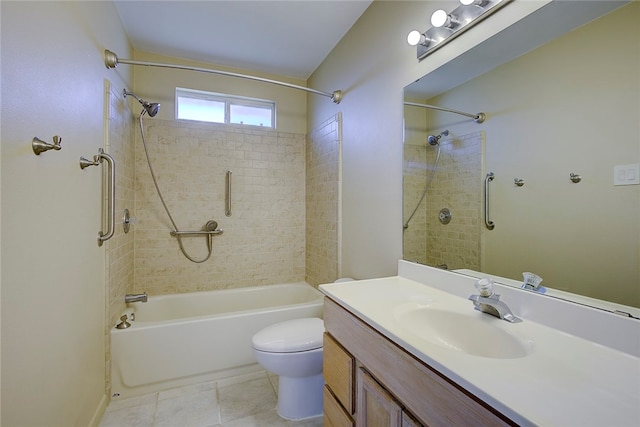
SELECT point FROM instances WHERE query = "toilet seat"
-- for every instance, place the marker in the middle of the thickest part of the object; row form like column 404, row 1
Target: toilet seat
column 292, row 336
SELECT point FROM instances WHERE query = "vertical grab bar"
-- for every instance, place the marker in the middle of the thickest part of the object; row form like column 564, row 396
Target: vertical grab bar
column 97, row 159
column 487, row 222
column 227, row 199
column 112, row 197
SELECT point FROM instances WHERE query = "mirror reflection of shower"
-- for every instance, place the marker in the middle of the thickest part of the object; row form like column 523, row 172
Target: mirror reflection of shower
column 434, row 141
column 152, row 108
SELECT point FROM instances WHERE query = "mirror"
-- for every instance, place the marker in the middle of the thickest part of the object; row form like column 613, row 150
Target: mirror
column 569, row 106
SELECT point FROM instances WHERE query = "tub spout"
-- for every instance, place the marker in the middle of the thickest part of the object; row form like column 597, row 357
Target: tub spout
column 135, row 298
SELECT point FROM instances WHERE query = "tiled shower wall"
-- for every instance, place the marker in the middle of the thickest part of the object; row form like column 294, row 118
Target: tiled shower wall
column 416, row 172
column 263, row 239
column 119, row 249
column 456, row 185
column 322, row 202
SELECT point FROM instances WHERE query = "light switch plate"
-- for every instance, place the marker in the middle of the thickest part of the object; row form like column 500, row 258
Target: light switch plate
column 626, row 174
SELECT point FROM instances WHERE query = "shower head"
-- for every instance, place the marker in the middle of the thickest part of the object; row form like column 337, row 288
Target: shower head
column 151, row 108
column 433, row 140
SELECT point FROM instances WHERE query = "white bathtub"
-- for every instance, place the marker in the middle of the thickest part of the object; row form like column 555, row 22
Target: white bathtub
column 183, row 339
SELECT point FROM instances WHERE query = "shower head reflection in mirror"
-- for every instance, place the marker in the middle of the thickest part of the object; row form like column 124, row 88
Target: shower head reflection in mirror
column 433, row 141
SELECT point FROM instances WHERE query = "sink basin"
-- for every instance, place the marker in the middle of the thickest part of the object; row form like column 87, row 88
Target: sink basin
column 473, row 333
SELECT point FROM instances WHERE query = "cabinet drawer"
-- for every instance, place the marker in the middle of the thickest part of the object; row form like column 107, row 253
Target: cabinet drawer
column 338, row 371
column 334, row 414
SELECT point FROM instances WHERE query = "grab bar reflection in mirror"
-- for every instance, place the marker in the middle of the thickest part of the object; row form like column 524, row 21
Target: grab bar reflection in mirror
column 111, row 189
column 487, row 222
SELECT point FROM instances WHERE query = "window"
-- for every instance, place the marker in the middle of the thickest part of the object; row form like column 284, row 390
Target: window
column 220, row 108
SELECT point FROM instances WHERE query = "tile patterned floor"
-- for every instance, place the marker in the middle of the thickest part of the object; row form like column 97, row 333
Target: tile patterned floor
column 246, row 401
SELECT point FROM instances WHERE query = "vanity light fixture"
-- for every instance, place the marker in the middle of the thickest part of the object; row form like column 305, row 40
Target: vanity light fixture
column 440, row 18
column 447, row 26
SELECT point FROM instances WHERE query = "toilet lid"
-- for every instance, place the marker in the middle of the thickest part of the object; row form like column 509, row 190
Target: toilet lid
column 290, row 336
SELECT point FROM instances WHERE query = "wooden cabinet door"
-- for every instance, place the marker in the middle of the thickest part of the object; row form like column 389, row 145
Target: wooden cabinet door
column 376, row 407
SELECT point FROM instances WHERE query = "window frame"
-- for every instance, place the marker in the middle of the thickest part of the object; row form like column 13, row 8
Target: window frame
column 228, row 100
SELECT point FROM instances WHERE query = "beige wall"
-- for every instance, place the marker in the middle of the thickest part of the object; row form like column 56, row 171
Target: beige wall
column 53, row 272
column 372, row 64
column 569, row 106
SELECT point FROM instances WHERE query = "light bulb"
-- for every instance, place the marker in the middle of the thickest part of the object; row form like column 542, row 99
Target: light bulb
column 467, row 2
column 414, row 37
column 439, row 18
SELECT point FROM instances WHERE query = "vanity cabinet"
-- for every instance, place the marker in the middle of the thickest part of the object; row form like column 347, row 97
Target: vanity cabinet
column 386, row 385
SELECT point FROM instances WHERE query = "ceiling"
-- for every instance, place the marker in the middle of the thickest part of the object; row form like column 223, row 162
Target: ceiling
column 283, row 37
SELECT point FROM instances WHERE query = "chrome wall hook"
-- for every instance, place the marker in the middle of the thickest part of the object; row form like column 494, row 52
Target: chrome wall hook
column 518, row 182
column 575, row 178
column 40, row 146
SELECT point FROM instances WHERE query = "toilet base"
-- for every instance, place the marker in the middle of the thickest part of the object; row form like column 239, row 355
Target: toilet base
column 300, row 397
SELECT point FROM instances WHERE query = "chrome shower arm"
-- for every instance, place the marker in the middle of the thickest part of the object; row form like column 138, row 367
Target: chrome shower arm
column 127, row 93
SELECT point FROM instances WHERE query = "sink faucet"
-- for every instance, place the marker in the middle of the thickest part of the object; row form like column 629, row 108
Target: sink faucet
column 489, row 302
column 128, row 298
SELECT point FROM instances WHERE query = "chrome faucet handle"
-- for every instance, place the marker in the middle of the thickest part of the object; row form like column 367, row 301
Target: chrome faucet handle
column 485, row 286
column 489, row 302
column 123, row 322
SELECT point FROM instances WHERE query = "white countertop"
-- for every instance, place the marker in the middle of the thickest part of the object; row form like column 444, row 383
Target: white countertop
column 565, row 381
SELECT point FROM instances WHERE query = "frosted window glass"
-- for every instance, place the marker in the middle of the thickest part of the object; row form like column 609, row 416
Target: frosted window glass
column 250, row 115
column 201, row 109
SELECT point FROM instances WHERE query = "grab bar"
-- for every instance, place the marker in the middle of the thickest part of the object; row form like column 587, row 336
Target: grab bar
column 487, row 222
column 97, row 159
column 195, row 233
column 227, row 210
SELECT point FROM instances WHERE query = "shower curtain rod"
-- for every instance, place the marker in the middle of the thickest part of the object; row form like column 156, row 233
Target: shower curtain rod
column 478, row 118
column 111, row 60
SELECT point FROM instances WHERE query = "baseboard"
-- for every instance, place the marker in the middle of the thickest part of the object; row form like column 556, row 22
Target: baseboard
column 99, row 412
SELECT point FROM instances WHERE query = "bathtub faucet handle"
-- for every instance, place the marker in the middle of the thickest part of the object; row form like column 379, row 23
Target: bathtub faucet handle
column 123, row 322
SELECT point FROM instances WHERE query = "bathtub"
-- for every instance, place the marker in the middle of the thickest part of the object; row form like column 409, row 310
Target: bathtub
column 177, row 340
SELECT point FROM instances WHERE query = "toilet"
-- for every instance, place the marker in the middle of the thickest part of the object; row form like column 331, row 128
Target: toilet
column 293, row 350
